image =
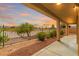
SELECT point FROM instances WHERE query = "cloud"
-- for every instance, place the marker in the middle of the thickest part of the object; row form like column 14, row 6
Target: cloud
column 10, row 24
column 44, row 18
column 24, row 14
column 6, row 17
column 2, row 8
column 51, row 22
column 6, row 7
column 38, row 22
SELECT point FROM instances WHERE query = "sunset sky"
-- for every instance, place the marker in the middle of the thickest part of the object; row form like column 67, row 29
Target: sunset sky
column 15, row 14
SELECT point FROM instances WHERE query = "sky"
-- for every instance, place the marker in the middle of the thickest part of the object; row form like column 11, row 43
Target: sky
column 12, row 14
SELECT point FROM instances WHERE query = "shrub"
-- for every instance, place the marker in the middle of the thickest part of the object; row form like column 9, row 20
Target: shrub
column 52, row 33
column 41, row 36
column 63, row 26
column 48, row 35
column 61, row 32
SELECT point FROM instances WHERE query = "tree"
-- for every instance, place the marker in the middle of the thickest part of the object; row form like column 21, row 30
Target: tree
column 52, row 27
column 25, row 28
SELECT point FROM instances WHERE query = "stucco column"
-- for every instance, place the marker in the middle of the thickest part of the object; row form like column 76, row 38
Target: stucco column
column 77, row 32
column 58, row 30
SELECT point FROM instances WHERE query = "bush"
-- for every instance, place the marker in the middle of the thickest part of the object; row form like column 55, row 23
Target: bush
column 61, row 32
column 41, row 36
column 48, row 35
column 52, row 33
column 63, row 26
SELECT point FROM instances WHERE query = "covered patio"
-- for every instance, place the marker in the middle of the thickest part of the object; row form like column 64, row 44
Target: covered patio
column 67, row 14
column 67, row 47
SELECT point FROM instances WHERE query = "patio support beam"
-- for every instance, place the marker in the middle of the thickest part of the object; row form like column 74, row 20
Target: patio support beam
column 77, row 30
column 58, row 30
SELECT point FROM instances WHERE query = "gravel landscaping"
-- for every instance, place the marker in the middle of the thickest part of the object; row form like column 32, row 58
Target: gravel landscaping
column 29, row 50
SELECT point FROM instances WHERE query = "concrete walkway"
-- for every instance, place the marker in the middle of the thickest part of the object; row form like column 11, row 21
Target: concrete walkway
column 67, row 47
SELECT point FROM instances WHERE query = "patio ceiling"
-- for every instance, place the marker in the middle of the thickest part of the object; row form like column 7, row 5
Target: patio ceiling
column 63, row 12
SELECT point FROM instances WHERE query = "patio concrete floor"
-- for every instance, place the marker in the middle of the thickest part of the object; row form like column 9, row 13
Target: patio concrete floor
column 67, row 47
